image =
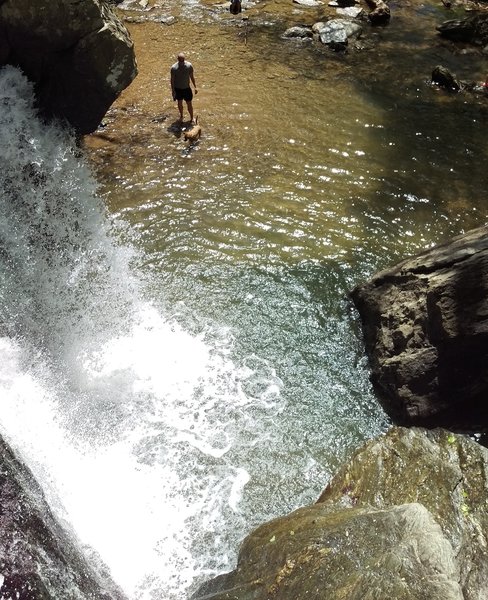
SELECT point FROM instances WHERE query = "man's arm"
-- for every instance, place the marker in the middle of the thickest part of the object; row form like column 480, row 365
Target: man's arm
column 192, row 77
column 172, row 83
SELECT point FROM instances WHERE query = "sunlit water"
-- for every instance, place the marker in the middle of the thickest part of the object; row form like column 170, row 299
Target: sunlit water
column 181, row 361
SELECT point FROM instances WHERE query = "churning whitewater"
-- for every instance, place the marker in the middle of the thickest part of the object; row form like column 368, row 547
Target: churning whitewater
column 133, row 426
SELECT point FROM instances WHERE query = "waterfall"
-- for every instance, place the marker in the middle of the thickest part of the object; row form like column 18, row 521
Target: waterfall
column 132, row 425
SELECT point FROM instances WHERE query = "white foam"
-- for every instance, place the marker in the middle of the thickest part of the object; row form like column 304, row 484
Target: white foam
column 143, row 496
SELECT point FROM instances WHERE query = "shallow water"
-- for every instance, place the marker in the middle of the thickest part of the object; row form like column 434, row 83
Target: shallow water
column 193, row 356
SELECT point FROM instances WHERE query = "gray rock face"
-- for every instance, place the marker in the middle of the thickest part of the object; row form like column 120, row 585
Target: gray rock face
column 425, row 325
column 77, row 52
column 406, row 518
column 38, row 559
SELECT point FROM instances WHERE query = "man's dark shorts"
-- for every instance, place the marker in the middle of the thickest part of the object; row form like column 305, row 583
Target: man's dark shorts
column 183, row 94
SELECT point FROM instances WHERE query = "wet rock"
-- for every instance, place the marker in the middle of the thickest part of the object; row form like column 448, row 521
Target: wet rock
column 425, row 326
column 445, row 79
column 442, row 77
column 472, row 29
column 445, row 473
column 298, row 32
column 78, row 54
column 311, row 3
column 40, row 559
column 380, row 13
column 353, row 12
column 405, row 518
column 337, row 32
column 320, row 552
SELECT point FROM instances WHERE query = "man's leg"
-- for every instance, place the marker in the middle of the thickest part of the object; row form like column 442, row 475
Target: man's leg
column 180, row 108
column 190, row 108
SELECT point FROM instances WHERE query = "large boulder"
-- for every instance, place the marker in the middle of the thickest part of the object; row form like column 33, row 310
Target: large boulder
column 320, row 552
column 406, row 518
column 39, row 558
column 425, row 325
column 446, row 473
column 77, row 52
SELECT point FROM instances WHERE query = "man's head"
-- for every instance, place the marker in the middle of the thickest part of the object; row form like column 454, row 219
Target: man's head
column 181, row 57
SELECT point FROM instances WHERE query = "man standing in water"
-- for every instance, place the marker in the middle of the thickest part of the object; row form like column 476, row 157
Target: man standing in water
column 181, row 75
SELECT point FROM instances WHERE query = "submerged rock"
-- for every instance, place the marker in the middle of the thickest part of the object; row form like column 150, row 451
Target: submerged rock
column 39, row 559
column 425, row 325
column 406, row 518
column 442, row 77
column 472, row 29
column 78, row 54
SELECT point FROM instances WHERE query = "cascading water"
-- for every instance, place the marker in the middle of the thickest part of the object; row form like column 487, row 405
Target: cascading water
column 131, row 424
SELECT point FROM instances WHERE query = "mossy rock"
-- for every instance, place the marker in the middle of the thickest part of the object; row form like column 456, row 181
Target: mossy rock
column 405, row 518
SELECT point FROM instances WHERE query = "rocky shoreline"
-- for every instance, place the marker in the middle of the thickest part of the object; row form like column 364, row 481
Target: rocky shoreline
column 344, row 25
